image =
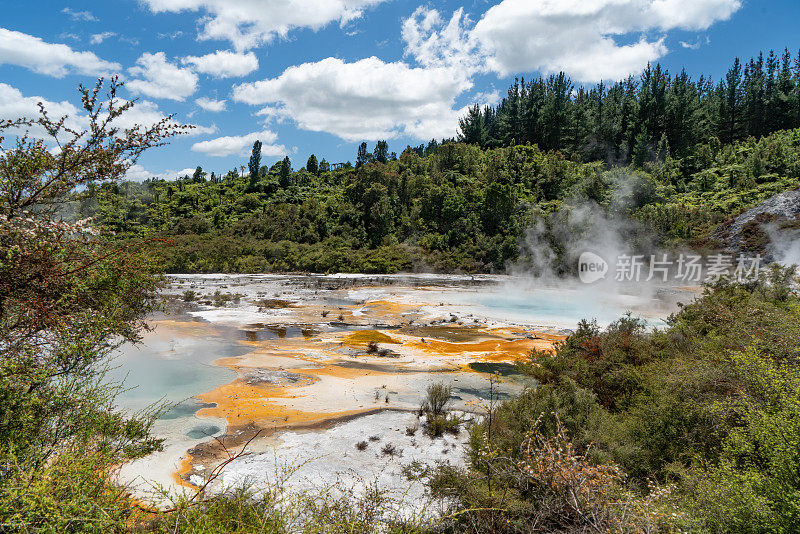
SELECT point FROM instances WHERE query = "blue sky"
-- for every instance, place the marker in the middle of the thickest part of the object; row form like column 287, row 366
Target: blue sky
column 320, row 76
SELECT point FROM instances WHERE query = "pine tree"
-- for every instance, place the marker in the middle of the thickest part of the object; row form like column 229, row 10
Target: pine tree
column 472, row 128
column 285, row 178
column 556, row 110
column 785, row 90
column 732, row 102
column 641, row 150
column 796, row 96
column 254, row 165
column 311, row 165
column 663, row 152
column 381, row 152
column 199, row 176
column 756, row 98
column 363, row 156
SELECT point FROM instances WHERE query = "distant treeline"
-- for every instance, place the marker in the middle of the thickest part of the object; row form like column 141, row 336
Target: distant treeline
column 458, row 208
column 678, row 156
column 637, row 118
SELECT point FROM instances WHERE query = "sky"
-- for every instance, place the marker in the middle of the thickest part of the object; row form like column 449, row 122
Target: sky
column 321, row 76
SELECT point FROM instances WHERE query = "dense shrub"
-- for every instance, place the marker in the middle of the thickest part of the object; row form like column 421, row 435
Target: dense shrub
column 707, row 404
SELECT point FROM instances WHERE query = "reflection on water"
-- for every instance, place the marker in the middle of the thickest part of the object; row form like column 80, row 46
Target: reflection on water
column 265, row 332
column 172, row 364
column 503, row 369
column 459, row 393
column 186, row 408
column 203, row 431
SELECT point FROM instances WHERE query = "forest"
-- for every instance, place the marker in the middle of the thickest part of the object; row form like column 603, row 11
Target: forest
column 635, row 119
column 677, row 156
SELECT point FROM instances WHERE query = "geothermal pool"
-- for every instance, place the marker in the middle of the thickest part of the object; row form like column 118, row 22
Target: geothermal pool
column 313, row 365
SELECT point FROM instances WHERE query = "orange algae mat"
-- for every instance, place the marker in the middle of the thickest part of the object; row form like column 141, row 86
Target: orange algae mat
column 243, row 404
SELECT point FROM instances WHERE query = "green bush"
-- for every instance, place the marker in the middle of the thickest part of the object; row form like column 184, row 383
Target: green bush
column 707, row 406
column 437, row 397
column 437, row 425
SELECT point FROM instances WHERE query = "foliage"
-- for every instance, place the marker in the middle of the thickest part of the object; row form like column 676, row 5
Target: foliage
column 437, row 397
column 708, row 405
column 696, row 154
column 68, row 298
column 459, row 208
column 653, row 118
column 277, row 511
column 33, row 177
column 438, row 425
column 549, row 486
column 254, row 165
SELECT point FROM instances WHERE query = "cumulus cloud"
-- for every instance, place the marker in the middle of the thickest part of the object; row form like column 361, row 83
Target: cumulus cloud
column 250, row 23
column 366, row 99
column 58, row 60
column 158, row 78
column 575, row 36
column 138, row 173
column 14, row 104
column 145, row 113
column 223, row 63
column 432, row 42
column 581, row 38
column 240, row 145
column 208, row 104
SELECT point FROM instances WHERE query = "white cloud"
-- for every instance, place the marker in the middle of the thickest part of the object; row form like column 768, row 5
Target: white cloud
column 689, row 14
column 240, row 145
column 433, row 43
column 13, row 105
column 17, row 48
column 79, row 16
column 98, row 38
column 580, row 37
column 224, row 63
column 365, row 100
column 145, row 113
column 697, row 44
column 161, row 79
column 137, row 173
column 202, row 130
column 250, row 23
column 170, row 35
column 208, row 104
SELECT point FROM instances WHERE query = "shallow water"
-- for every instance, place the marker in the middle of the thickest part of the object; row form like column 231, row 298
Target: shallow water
column 294, row 361
column 171, row 365
column 556, row 306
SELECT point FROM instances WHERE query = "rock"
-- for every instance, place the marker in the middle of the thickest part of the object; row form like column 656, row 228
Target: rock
column 734, row 233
